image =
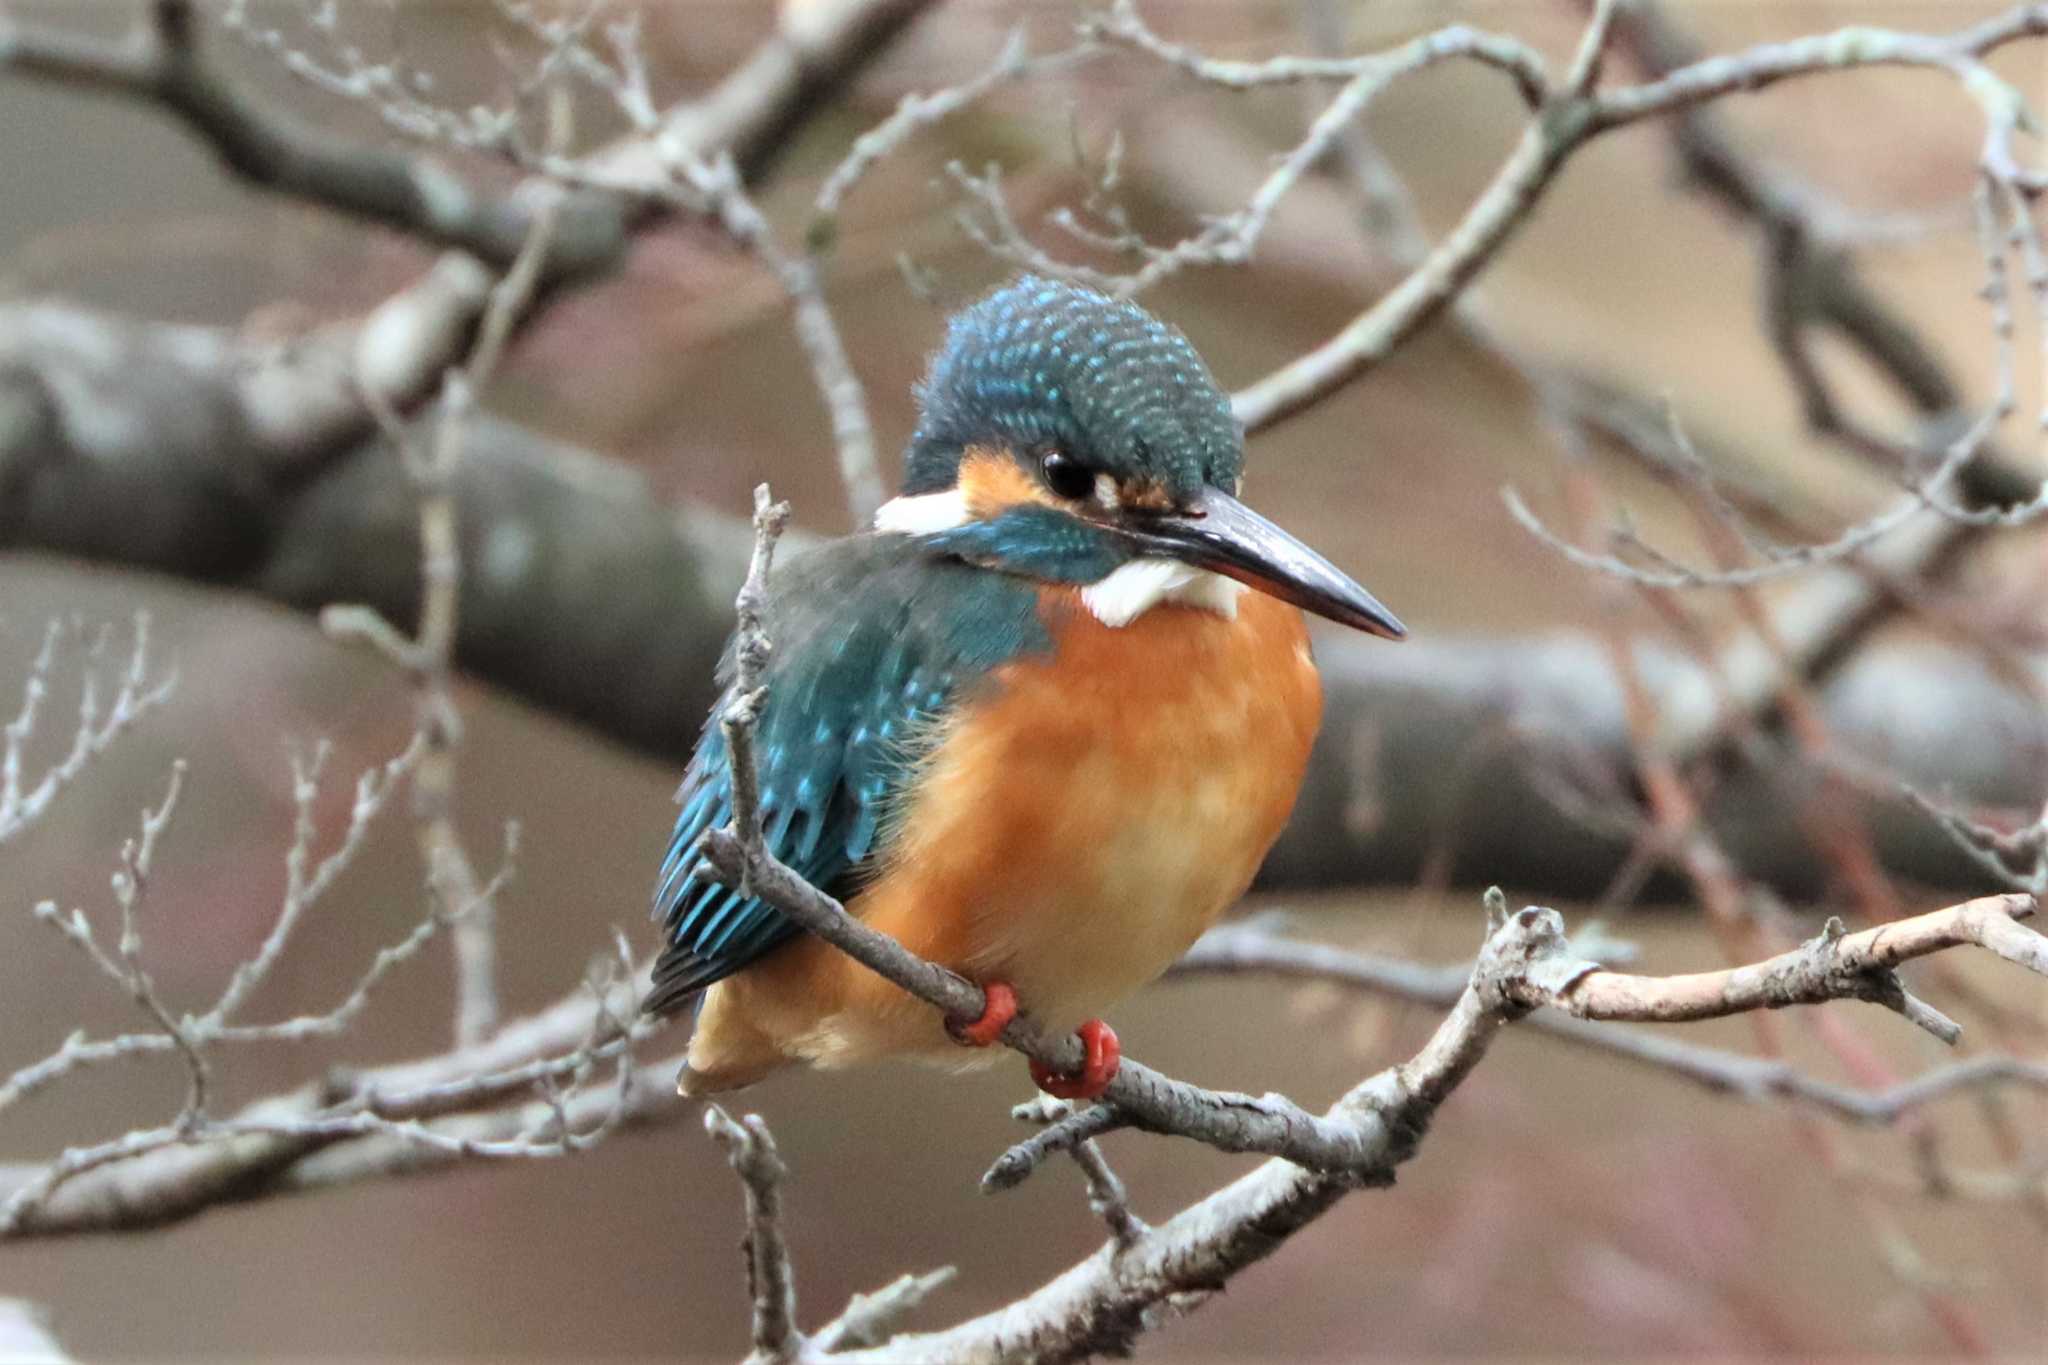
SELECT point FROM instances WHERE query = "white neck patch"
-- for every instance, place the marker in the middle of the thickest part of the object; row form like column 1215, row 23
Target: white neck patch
column 923, row 514
column 1135, row 588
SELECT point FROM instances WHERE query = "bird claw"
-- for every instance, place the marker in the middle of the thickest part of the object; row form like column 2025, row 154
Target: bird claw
column 999, row 1007
column 1102, row 1056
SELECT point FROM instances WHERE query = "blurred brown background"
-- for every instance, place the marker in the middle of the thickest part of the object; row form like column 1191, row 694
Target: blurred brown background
column 1562, row 1206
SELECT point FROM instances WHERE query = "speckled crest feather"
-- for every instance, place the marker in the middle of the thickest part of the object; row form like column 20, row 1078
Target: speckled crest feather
column 874, row 639
column 1041, row 364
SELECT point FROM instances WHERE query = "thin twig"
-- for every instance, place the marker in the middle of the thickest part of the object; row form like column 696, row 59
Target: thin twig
column 770, row 1281
column 1107, row 1198
column 137, row 694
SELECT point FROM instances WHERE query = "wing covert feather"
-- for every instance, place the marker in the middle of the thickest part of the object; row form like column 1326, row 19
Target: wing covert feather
column 872, row 642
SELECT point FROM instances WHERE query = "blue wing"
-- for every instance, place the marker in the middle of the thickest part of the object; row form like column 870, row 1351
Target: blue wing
column 871, row 644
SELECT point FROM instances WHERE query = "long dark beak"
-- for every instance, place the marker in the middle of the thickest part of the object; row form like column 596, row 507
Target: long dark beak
column 1222, row 534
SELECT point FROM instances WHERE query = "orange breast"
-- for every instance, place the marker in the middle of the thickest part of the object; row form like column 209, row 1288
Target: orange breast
column 1077, row 830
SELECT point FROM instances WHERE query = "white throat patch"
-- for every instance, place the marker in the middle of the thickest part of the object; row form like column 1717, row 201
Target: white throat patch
column 1135, row 588
column 923, row 514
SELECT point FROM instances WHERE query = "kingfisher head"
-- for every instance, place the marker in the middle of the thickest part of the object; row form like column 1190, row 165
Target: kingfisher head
column 1074, row 438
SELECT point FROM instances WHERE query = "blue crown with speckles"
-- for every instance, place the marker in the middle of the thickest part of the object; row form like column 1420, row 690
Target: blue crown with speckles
column 1042, row 365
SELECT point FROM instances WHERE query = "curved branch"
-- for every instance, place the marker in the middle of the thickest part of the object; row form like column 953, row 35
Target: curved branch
column 1831, row 967
column 1245, row 948
column 1142, row 1097
column 163, row 62
column 1566, row 123
column 813, row 50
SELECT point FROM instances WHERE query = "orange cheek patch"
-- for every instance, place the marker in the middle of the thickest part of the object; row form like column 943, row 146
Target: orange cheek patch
column 1148, row 495
column 992, row 483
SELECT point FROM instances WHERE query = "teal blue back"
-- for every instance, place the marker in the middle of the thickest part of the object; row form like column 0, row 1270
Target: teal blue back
column 874, row 639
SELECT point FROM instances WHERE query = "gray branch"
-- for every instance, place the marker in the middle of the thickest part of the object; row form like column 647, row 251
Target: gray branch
column 751, row 1149
column 1561, row 127
column 303, row 1140
column 164, row 61
column 577, row 580
column 1249, row 949
column 1101, row 1305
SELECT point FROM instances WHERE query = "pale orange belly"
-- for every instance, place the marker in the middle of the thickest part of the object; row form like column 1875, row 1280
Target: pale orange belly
column 1075, row 833
column 1072, row 833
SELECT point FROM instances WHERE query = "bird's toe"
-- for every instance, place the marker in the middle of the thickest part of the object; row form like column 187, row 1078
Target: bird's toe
column 998, row 1009
column 1102, row 1055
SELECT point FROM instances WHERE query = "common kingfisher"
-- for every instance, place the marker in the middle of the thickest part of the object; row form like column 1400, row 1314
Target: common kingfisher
column 1033, row 724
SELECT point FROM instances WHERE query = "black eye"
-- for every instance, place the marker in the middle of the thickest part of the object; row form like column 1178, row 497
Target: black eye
column 1066, row 475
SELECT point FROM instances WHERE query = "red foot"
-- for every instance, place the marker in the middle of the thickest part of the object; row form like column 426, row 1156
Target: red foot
column 999, row 1007
column 1103, row 1055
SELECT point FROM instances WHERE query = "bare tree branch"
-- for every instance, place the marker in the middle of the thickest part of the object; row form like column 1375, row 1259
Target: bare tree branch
column 1241, row 948
column 770, row 1280
column 162, row 61
column 532, row 1089
column 870, row 1319
column 1141, row 1096
column 1107, row 1198
column 814, row 49
column 1101, row 1304
column 312, row 1139
column 1565, row 123
column 430, row 659
column 138, row 693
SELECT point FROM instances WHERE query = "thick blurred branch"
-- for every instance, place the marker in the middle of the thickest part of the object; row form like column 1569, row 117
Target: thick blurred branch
column 812, row 50
column 25, row 1335
column 613, row 610
column 112, row 415
column 164, row 61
